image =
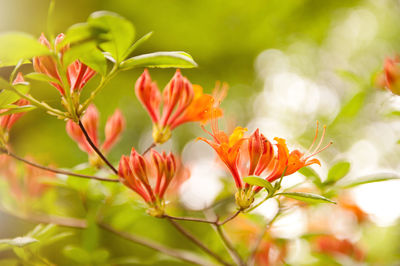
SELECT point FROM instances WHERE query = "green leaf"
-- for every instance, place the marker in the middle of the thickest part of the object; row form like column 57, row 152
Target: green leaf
column 258, row 181
column 121, row 33
column 137, row 44
column 312, row 175
column 77, row 254
column 337, row 172
column 306, row 197
column 100, row 256
column 15, row 46
column 89, row 54
column 40, row 77
column 18, row 241
column 18, row 109
column 350, row 76
column 363, row 181
column 352, row 107
column 160, row 60
column 7, row 96
column 83, row 32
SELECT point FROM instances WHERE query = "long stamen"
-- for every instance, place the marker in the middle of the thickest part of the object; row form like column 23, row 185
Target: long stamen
column 320, row 142
column 316, row 152
column 315, row 138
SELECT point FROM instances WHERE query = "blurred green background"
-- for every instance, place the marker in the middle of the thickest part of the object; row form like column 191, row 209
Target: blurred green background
column 275, row 56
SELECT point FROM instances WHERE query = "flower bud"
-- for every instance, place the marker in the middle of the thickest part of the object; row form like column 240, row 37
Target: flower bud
column 47, row 65
column 170, row 166
column 149, row 95
column 138, row 166
column 256, row 148
column 114, row 126
column 176, row 96
column 90, row 120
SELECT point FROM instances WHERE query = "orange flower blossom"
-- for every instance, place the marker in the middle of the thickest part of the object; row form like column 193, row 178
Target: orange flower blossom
column 181, row 102
column 264, row 160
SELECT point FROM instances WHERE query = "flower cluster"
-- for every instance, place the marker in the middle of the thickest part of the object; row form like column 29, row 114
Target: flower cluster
column 77, row 74
column 181, row 102
column 90, row 120
column 271, row 161
column 138, row 173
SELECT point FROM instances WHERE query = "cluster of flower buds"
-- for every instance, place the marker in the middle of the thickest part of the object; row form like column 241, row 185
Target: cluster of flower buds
column 271, row 161
column 148, row 178
column 389, row 78
column 77, row 73
column 181, row 102
column 90, row 120
column 7, row 121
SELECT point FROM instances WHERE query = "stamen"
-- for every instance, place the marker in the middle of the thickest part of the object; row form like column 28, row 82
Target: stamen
column 322, row 138
column 316, row 152
column 315, row 138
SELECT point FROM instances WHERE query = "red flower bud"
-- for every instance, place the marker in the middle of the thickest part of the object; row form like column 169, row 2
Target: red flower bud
column 149, row 95
column 114, row 126
column 176, row 96
column 90, row 121
column 78, row 74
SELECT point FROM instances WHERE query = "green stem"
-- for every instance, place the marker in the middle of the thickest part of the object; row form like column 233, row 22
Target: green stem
column 42, row 105
column 104, row 80
column 57, row 171
column 196, row 241
column 232, row 251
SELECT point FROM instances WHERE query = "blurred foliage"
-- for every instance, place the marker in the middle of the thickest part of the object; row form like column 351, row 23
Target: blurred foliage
column 225, row 38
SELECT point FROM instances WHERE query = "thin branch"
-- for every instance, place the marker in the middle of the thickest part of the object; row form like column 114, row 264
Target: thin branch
column 81, row 224
column 253, row 250
column 58, row 171
column 95, row 148
column 183, row 255
column 48, row 219
column 232, row 251
column 190, row 219
column 149, row 148
column 196, row 241
column 229, row 218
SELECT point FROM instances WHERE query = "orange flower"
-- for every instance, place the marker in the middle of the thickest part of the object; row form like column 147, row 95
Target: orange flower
column 285, row 163
column 199, row 109
column 263, row 159
column 181, row 103
column 227, row 147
